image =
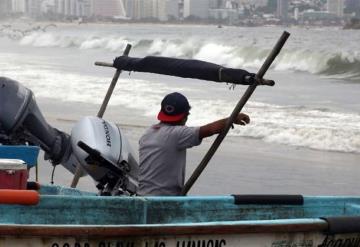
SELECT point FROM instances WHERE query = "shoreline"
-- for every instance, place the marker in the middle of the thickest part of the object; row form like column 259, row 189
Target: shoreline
column 174, row 24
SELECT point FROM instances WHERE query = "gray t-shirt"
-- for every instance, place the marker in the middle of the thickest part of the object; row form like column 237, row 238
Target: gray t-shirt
column 162, row 151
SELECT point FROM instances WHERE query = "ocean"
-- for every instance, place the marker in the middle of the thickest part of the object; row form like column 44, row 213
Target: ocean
column 315, row 104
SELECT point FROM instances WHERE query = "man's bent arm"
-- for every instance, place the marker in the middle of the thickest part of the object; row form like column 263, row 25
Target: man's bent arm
column 216, row 127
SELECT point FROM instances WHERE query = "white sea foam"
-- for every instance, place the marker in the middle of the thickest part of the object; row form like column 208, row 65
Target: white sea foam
column 165, row 48
column 110, row 43
column 173, row 48
column 333, row 63
column 219, row 53
column 302, row 60
column 40, row 40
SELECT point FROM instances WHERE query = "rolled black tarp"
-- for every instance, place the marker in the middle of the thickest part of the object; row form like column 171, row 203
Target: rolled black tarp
column 187, row 68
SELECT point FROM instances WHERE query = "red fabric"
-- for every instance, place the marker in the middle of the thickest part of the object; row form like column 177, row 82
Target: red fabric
column 13, row 179
column 167, row 118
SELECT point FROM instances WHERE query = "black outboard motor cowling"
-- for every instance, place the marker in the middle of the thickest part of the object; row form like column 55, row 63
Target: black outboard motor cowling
column 20, row 118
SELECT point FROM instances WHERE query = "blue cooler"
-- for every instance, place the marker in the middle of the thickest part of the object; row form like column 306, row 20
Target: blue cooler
column 28, row 154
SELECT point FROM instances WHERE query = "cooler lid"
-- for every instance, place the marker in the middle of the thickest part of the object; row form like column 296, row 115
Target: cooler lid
column 12, row 164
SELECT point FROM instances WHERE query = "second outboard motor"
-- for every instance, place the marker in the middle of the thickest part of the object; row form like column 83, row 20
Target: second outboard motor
column 21, row 120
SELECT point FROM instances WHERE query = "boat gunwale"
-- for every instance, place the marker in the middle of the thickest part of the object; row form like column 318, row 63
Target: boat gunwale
column 236, row 227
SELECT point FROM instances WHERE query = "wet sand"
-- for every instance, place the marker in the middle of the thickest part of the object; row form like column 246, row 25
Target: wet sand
column 240, row 166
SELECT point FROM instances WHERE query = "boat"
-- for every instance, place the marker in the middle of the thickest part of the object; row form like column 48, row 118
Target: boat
column 56, row 215
column 69, row 217
column 53, row 215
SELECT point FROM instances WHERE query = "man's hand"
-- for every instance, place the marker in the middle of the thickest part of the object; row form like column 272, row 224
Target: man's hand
column 242, row 119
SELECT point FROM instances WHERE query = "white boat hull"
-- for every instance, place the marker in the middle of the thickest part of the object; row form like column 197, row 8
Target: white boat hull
column 283, row 233
column 214, row 240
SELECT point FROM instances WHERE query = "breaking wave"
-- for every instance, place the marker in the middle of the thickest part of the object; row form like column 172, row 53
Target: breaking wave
column 333, row 64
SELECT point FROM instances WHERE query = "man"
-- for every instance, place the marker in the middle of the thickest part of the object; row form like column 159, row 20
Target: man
column 162, row 148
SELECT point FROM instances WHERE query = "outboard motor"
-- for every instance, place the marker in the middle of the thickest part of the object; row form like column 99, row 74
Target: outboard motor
column 106, row 155
column 97, row 145
column 22, row 121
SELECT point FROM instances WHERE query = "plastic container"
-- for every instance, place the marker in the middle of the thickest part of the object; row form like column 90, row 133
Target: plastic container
column 13, row 174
